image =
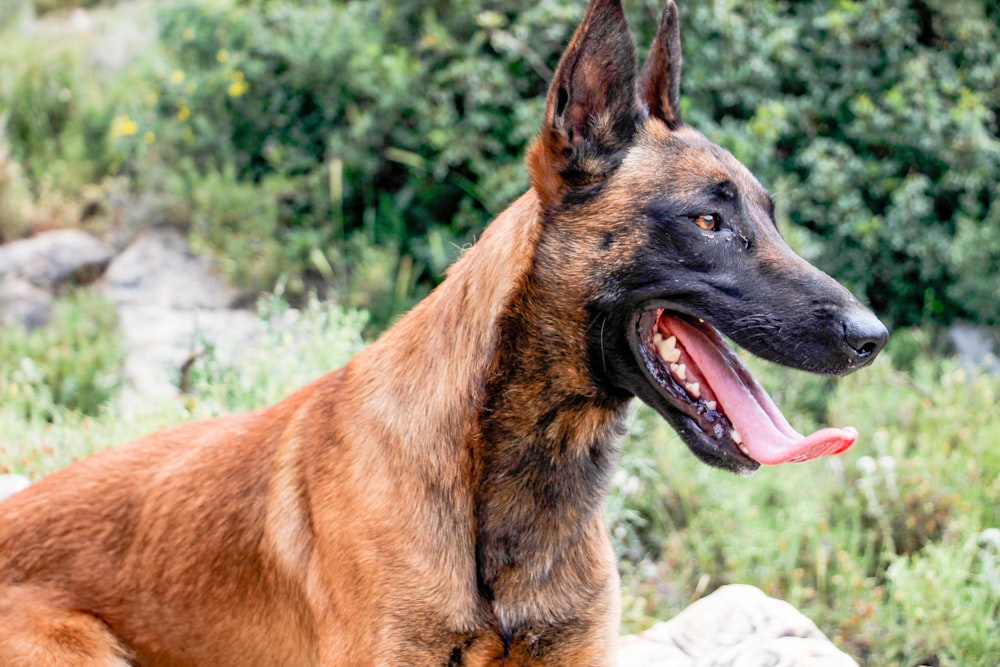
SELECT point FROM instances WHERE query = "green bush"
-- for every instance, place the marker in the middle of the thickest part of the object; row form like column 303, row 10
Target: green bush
column 876, row 121
column 396, row 133
column 38, row 436
column 56, row 115
column 298, row 346
column 880, row 123
column 73, row 363
column 45, row 6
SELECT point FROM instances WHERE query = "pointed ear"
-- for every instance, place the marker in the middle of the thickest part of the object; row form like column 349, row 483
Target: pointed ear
column 591, row 111
column 660, row 84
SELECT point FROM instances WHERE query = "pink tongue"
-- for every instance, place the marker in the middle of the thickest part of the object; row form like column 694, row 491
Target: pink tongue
column 766, row 433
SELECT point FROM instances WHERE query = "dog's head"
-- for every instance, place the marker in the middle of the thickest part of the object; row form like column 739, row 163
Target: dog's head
column 672, row 244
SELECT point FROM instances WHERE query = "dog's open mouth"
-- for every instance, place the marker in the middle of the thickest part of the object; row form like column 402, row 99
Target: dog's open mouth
column 700, row 376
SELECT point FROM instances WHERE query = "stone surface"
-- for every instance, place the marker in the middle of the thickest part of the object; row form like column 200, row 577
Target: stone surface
column 159, row 269
column 171, row 305
column 20, row 301
column 52, row 259
column 975, row 347
column 160, row 340
column 737, row 626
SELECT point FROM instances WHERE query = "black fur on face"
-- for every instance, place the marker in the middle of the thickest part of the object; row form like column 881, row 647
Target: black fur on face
column 738, row 278
column 651, row 228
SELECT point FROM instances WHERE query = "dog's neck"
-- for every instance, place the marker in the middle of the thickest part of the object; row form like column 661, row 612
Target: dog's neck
column 540, row 450
column 548, row 444
column 548, row 435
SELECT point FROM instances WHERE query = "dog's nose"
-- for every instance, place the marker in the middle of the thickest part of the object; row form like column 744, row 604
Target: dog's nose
column 864, row 335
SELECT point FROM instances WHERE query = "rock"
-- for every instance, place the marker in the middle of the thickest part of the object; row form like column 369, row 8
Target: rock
column 737, row 626
column 11, row 484
column 171, row 305
column 53, row 259
column 160, row 340
column 20, row 301
column 975, row 347
column 159, row 269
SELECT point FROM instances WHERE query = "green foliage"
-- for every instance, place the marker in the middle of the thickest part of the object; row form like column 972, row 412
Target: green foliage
column 881, row 122
column 14, row 196
column 56, row 114
column 44, row 6
column 398, row 129
column 402, row 127
column 237, row 222
column 890, row 548
column 73, row 363
column 37, row 436
column 297, row 348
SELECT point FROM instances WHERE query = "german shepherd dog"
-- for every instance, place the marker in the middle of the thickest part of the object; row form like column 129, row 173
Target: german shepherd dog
column 438, row 501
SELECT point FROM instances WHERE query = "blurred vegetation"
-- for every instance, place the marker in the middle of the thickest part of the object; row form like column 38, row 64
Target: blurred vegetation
column 893, row 548
column 71, row 364
column 365, row 142
column 877, row 124
column 350, row 149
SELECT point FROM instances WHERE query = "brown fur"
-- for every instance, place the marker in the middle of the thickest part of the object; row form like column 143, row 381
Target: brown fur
column 436, row 502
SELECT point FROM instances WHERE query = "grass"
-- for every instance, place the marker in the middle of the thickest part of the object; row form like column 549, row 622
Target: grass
column 893, row 549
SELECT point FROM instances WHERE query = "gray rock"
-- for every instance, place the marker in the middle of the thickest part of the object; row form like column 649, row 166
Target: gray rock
column 172, row 305
column 159, row 269
column 737, row 626
column 160, row 340
column 11, row 484
column 975, row 347
column 20, row 301
column 56, row 258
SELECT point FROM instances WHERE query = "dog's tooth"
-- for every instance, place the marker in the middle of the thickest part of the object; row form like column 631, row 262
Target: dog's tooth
column 735, row 436
column 711, row 405
column 669, row 354
column 657, row 338
column 744, row 449
column 679, row 371
column 694, row 389
column 671, row 342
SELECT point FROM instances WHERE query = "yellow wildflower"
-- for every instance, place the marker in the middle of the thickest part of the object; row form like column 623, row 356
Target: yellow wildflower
column 123, row 126
column 183, row 113
column 149, row 137
column 239, row 85
column 188, row 34
column 177, row 77
column 222, row 56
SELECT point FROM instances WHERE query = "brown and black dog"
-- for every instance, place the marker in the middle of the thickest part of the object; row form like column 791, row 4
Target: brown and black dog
column 438, row 501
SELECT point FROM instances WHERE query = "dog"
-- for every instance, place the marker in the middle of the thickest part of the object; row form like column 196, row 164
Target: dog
column 437, row 501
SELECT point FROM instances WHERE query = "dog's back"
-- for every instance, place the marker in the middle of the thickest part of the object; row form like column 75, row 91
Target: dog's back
column 197, row 545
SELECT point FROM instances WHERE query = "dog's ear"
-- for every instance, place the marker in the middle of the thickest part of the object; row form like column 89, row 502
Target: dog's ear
column 660, row 83
column 591, row 111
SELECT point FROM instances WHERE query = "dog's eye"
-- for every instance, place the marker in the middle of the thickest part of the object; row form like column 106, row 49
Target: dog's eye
column 707, row 222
